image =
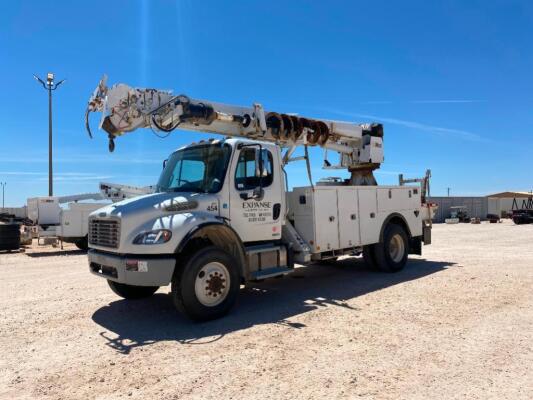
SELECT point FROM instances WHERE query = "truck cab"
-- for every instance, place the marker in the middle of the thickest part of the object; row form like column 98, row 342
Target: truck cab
column 225, row 194
column 237, row 183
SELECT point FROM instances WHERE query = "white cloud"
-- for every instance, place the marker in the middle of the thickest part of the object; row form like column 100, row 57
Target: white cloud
column 76, row 178
column 445, row 101
column 376, row 102
column 466, row 135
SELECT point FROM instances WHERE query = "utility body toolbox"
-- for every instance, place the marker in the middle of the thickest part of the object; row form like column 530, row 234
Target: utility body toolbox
column 340, row 217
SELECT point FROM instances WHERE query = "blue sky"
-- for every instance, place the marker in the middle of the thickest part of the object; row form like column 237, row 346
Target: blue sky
column 451, row 81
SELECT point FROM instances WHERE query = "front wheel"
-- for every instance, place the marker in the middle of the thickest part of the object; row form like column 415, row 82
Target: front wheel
column 391, row 253
column 207, row 286
column 131, row 292
column 82, row 244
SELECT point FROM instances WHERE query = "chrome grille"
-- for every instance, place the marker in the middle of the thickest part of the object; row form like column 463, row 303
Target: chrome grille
column 104, row 232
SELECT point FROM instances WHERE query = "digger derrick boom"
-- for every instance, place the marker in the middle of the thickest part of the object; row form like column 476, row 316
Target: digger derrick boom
column 125, row 109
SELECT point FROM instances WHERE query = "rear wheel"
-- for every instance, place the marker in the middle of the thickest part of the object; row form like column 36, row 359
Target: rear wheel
column 130, row 291
column 207, row 286
column 391, row 253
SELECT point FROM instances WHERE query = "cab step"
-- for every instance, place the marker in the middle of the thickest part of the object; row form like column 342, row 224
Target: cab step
column 271, row 272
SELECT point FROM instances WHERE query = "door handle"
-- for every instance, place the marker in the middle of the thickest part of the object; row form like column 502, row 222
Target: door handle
column 276, row 211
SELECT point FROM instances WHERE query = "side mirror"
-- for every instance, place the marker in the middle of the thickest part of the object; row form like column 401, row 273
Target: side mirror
column 257, row 194
column 165, row 163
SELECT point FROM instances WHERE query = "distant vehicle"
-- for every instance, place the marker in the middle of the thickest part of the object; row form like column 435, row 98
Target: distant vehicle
column 493, row 218
column 71, row 224
column 457, row 214
column 521, row 217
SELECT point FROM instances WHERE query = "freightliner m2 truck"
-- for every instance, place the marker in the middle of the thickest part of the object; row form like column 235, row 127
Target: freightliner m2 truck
column 222, row 214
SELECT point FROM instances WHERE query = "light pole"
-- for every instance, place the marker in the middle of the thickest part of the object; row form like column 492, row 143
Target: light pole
column 49, row 85
column 3, row 190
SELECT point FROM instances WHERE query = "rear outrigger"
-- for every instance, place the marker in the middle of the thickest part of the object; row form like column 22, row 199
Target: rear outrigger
column 222, row 214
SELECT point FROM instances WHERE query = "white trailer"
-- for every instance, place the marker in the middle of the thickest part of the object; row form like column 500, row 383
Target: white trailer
column 222, row 213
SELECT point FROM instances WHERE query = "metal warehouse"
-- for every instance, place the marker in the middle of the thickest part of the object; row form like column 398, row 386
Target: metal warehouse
column 476, row 206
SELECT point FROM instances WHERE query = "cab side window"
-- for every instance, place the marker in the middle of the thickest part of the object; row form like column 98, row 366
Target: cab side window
column 247, row 176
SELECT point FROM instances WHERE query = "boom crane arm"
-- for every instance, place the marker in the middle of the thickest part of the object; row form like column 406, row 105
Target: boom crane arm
column 125, row 109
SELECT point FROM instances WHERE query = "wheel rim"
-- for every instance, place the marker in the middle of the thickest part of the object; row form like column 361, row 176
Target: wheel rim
column 396, row 248
column 212, row 284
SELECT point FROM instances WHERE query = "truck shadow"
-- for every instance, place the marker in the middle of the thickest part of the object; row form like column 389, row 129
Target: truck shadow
column 131, row 324
column 54, row 253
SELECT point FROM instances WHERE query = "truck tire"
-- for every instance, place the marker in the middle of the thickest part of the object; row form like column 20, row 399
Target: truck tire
column 207, row 285
column 391, row 253
column 369, row 257
column 131, row 292
column 9, row 237
column 83, row 243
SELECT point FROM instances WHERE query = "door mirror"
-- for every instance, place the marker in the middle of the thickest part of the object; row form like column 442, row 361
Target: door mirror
column 165, row 163
column 257, row 194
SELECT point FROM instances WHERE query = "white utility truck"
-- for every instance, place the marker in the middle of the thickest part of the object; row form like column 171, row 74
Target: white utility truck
column 222, row 214
column 70, row 224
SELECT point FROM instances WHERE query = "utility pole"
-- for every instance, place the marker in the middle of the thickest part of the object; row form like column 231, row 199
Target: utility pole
column 3, row 192
column 49, row 85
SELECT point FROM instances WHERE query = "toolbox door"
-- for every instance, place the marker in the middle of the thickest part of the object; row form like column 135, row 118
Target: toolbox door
column 348, row 218
column 326, row 220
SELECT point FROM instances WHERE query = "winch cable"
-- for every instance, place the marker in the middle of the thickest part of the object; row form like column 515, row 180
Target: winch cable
column 87, row 126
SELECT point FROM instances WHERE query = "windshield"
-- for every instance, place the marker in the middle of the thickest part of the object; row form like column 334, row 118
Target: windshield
column 199, row 169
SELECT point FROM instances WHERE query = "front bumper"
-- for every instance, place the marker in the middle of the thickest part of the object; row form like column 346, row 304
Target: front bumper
column 132, row 270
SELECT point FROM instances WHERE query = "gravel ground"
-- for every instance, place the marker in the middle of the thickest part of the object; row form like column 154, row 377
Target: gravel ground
column 456, row 323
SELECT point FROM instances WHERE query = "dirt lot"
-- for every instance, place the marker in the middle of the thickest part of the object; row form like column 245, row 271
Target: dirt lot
column 456, row 323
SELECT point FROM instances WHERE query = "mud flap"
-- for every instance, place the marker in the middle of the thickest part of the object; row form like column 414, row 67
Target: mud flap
column 415, row 245
column 426, row 233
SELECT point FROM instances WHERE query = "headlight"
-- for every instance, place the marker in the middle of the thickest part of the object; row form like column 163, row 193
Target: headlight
column 157, row 236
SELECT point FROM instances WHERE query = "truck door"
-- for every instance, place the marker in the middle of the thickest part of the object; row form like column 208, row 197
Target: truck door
column 256, row 208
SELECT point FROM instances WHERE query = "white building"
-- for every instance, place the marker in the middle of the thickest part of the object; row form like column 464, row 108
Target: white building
column 503, row 203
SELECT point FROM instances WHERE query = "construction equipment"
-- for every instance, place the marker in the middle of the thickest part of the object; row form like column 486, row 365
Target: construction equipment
column 222, row 213
column 524, row 214
column 458, row 214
